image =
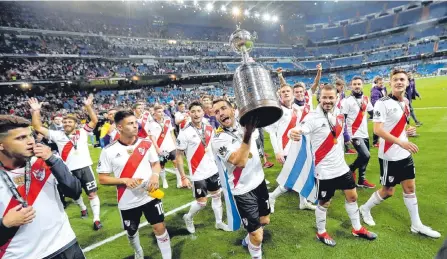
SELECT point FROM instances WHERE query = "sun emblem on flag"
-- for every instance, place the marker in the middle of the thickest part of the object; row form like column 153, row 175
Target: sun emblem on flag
column 223, row 151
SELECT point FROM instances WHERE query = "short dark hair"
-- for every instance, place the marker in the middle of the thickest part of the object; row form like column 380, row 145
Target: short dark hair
column 121, row 115
column 180, row 103
column 158, row 107
column 222, row 100
column 136, row 105
column 299, row 85
column 329, row 87
column 195, row 103
column 396, row 71
column 376, row 79
column 10, row 122
column 357, row 78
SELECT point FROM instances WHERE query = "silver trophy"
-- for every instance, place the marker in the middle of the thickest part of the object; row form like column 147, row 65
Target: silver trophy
column 253, row 87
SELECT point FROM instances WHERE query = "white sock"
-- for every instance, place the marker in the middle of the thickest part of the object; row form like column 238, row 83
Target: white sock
column 216, row 204
column 374, row 200
column 303, row 200
column 179, row 177
column 195, row 208
column 164, row 243
column 95, row 205
column 411, row 202
column 255, row 251
column 320, row 215
column 278, row 192
column 163, row 174
column 353, row 212
column 80, row 202
column 135, row 241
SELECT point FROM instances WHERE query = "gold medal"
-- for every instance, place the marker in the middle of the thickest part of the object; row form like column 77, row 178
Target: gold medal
column 19, row 180
column 250, row 155
column 335, row 141
column 130, row 151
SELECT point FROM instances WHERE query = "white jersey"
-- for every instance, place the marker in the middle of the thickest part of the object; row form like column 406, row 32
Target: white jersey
column 50, row 230
column 114, row 158
column 157, row 129
column 241, row 180
column 201, row 164
column 142, row 121
column 183, row 118
column 278, row 130
column 328, row 153
column 114, row 135
column 308, row 97
column 390, row 112
column 351, row 107
column 73, row 148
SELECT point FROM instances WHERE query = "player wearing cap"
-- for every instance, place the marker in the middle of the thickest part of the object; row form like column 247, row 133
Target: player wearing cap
column 325, row 126
column 195, row 141
column 391, row 116
column 355, row 108
column 72, row 144
column 33, row 223
column 237, row 151
column 134, row 164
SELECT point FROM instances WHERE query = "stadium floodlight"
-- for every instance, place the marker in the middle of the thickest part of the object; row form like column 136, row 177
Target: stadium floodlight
column 246, row 12
column 195, row 2
column 274, row 18
column 223, row 8
column 257, row 15
column 236, row 11
column 180, row 1
column 209, row 7
column 266, row 17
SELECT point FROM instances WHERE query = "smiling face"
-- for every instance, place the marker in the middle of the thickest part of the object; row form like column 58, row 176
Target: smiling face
column 286, row 94
column 399, row 83
column 357, row 86
column 197, row 114
column 69, row 125
column 298, row 92
column 224, row 113
column 327, row 99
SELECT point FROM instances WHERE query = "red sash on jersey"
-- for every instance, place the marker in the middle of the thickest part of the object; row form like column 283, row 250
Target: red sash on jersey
column 117, row 136
column 398, row 129
column 306, row 97
column 328, row 144
column 36, row 186
column 292, row 124
column 163, row 133
column 183, row 123
column 132, row 164
column 200, row 151
column 142, row 132
column 306, row 110
column 339, row 101
column 237, row 175
column 67, row 148
column 359, row 119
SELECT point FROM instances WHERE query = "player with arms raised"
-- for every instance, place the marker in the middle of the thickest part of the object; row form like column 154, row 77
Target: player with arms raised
column 195, row 140
column 72, row 144
column 325, row 126
column 236, row 149
column 391, row 115
column 134, row 164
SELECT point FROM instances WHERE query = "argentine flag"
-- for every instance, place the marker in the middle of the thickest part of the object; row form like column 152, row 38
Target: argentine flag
column 233, row 217
column 298, row 171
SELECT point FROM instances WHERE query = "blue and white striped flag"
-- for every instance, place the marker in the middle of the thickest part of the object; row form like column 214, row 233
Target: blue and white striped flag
column 233, row 217
column 298, row 171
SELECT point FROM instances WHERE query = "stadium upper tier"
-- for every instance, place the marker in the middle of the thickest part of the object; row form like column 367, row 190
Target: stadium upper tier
column 374, row 22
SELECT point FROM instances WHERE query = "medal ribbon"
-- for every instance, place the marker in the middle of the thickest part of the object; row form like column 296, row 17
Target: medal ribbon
column 13, row 188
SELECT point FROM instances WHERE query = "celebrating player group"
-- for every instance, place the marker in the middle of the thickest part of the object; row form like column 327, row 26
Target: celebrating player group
column 224, row 162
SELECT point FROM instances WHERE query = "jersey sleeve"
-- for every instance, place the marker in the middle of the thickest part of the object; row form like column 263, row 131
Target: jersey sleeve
column 182, row 141
column 344, row 106
column 104, row 165
column 379, row 112
column 307, row 126
column 153, row 156
column 178, row 116
column 221, row 148
column 369, row 107
column 53, row 135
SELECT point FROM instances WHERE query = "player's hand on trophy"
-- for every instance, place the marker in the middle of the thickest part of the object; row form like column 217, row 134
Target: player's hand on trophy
column 280, row 158
column 34, row 104
column 153, row 183
column 19, row 216
column 88, row 101
column 131, row 182
column 295, row 134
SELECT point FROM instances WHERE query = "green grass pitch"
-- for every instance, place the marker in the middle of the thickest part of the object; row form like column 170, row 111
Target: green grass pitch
column 291, row 233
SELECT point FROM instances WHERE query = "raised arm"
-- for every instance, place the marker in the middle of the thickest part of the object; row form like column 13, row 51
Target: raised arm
column 36, row 120
column 88, row 102
column 317, row 79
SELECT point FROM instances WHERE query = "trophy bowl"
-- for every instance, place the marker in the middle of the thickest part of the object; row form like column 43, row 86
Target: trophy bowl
column 255, row 95
column 241, row 41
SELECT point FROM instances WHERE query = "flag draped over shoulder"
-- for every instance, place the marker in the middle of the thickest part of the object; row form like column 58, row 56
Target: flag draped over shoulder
column 298, row 171
column 233, row 217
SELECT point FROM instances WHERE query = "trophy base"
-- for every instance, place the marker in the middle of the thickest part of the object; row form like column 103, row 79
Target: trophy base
column 265, row 112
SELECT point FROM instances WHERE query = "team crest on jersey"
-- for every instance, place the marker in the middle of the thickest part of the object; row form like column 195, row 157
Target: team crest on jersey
column 390, row 179
column 127, row 223
column 141, row 150
column 223, row 151
column 199, row 191
column 130, row 151
column 19, row 180
column 323, row 194
column 39, row 174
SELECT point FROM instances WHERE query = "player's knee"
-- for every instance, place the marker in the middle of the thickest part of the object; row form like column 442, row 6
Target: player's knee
column 324, row 203
column 92, row 195
column 159, row 228
column 387, row 192
column 265, row 220
column 351, row 197
column 409, row 189
column 202, row 201
column 256, row 236
column 132, row 229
